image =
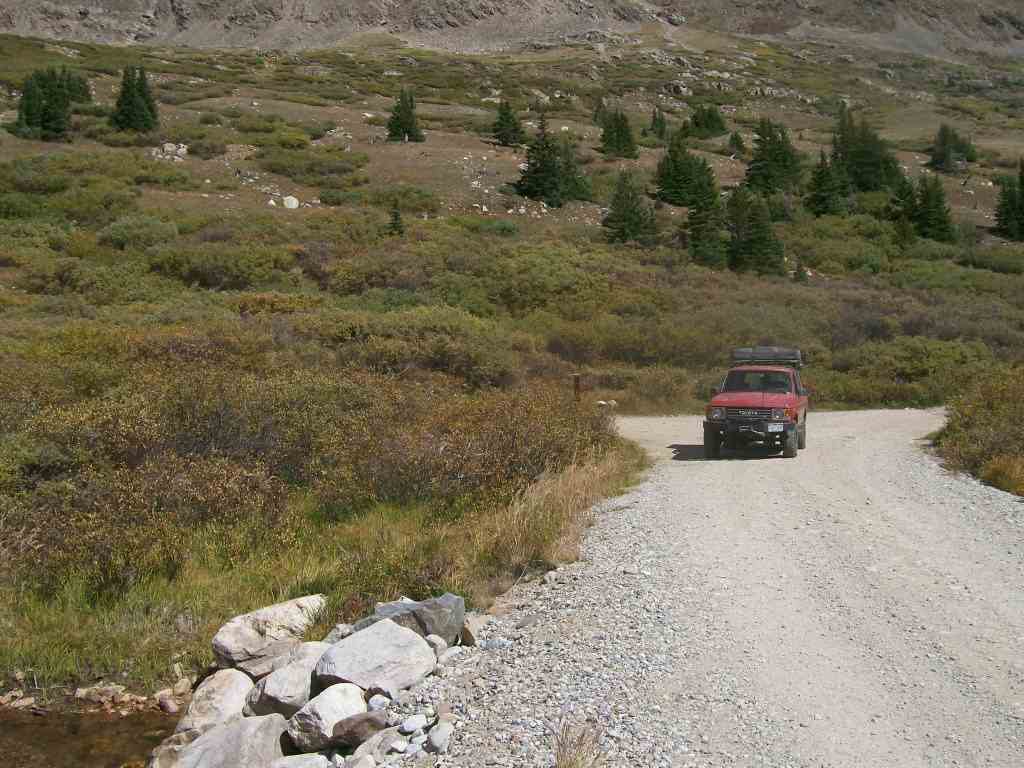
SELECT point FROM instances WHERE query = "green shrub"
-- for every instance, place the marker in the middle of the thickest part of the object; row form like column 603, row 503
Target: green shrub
column 408, row 198
column 340, row 197
column 137, row 232
column 221, row 266
column 314, row 166
column 210, row 118
column 206, row 149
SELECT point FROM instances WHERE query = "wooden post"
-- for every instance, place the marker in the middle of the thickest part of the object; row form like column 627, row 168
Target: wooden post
column 576, row 386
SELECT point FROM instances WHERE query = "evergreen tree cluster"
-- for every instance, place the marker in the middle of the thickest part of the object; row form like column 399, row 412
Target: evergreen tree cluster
column 135, row 109
column 552, row 173
column 508, row 131
column 44, row 111
column 775, row 165
column 951, row 148
column 1010, row 211
column 402, row 125
column 827, row 190
column 921, row 210
column 659, row 124
column 737, row 144
column 682, row 177
column 630, row 219
column 706, row 122
column 617, row 138
column 753, row 246
column 861, row 159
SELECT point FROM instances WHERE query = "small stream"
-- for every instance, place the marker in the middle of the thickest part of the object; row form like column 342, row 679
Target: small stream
column 81, row 740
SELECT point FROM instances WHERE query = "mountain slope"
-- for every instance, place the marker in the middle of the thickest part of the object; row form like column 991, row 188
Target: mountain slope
column 915, row 24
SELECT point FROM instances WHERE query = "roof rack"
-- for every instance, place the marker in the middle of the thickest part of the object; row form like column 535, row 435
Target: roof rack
column 768, row 356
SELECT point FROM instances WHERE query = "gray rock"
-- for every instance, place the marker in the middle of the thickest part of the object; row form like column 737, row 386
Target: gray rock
column 288, row 688
column 357, row 729
column 385, row 657
column 366, row 761
column 471, row 629
column 338, row 633
column 376, row 746
column 312, row 727
column 378, row 702
column 252, row 641
column 241, row 743
column 413, row 724
column 442, row 616
column 302, row 761
column 166, row 755
column 437, row 643
column 439, row 737
column 218, row 699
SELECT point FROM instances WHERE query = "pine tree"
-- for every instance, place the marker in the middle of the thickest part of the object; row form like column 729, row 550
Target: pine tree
column 736, row 144
column 824, row 197
column 707, row 122
column 122, row 117
column 575, row 185
column 56, row 116
column 76, row 86
column 507, row 130
column 600, row 112
column 775, row 166
column 753, row 245
column 30, row 109
column 630, row 218
column 705, row 223
column 396, row 227
column 675, row 172
column 933, row 217
column 659, row 125
column 1009, row 222
column 950, row 147
column 402, row 125
column 149, row 115
column 542, row 177
column 617, row 138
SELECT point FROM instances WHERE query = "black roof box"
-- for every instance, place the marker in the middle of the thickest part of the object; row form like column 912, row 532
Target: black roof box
column 767, row 356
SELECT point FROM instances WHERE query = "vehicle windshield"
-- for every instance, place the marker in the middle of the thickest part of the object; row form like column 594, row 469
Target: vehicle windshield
column 758, row 381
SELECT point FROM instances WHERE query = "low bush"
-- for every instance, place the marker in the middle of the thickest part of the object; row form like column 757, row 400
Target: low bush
column 137, row 232
column 221, row 266
column 324, row 167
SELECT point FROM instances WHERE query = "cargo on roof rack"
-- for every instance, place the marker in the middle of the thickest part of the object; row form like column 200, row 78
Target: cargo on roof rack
column 768, row 356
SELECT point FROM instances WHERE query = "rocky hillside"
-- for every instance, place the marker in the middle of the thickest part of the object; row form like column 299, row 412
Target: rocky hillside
column 924, row 26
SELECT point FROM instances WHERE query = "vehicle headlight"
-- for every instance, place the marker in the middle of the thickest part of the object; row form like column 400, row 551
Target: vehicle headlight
column 717, row 414
column 778, row 414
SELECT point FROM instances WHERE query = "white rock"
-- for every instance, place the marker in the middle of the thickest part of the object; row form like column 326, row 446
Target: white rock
column 439, row 737
column 412, row 724
column 247, row 741
column 170, row 149
column 218, row 699
column 272, row 203
column 312, row 727
column 291, row 203
column 384, row 657
column 251, row 641
column 378, row 702
column 302, row 761
column 366, row 761
column 288, row 688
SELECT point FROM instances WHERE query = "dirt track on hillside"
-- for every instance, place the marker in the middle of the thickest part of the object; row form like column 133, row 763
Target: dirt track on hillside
column 855, row 607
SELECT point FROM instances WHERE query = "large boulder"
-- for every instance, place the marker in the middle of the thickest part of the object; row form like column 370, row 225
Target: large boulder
column 219, row 698
column 312, row 727
column 385, row 657
column 353, row 731
column 442, row 616
column 254, row 640
column 288, row 688
column 243, row 743
column 376, row 747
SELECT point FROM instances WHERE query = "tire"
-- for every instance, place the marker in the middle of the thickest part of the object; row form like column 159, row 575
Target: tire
column 789, row 445
column 712, row 444
column 801, row 442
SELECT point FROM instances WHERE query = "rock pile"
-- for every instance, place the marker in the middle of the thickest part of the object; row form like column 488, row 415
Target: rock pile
column 275, row 701
column 173, row 152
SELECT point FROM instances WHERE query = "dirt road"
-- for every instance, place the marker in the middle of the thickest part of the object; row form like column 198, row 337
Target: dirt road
column 855, row 607
column 875, row 600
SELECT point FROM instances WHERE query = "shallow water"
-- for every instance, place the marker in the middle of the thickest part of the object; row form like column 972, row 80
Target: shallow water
column 72, row 740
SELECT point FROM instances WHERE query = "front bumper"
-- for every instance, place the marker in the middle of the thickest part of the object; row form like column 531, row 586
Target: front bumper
column 751, row 430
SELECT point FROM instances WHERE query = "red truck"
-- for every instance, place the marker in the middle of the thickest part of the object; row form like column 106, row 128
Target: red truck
column 761, row 401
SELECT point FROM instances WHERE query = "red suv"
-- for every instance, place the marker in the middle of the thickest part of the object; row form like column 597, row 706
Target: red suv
column 761, row 401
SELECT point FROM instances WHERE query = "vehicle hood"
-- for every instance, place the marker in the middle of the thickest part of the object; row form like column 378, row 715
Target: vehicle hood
column 753, row 400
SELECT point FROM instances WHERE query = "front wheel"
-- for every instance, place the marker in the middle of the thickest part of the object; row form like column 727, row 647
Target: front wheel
column 712, row 444
column 789, row 445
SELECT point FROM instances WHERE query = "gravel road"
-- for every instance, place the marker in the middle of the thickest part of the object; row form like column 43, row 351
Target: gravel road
column 855, row 607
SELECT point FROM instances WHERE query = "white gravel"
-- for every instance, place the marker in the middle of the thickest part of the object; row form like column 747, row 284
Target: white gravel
column 856, row 607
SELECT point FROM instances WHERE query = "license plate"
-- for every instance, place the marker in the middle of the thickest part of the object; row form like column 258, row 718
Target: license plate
column 776, row 427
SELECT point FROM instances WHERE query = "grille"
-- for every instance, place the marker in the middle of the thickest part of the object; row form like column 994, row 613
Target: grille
column 749, row 414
